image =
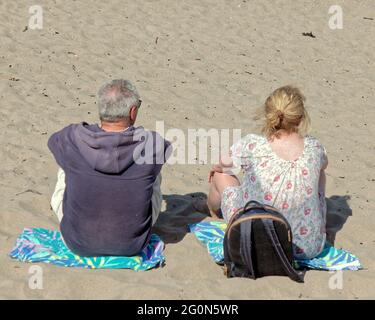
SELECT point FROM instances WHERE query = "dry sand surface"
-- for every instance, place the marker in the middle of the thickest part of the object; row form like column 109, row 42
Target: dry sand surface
column 197, row 64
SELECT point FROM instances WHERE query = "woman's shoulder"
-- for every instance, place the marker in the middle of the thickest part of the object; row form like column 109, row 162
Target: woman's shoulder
column 248, row 145
column 314, row 145
column 254, row 138
column 252, row 141
column 313, row 141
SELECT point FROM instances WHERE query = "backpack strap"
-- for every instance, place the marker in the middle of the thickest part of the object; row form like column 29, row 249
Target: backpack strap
column 245, row 245
column 252, row 203
column 288, row 268
column 227, row 259
column 257, row 205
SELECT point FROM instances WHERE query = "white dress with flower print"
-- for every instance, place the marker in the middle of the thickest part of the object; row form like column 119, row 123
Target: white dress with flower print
column 290, row 186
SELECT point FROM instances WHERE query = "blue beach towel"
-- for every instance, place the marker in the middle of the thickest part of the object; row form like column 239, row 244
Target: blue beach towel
column 43, row 245
column 211, row 234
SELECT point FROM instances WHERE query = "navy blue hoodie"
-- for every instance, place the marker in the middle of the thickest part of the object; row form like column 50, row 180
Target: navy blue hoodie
column 109, row 180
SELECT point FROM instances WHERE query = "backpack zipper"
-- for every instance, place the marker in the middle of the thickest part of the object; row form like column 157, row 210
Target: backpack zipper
column 259, row 216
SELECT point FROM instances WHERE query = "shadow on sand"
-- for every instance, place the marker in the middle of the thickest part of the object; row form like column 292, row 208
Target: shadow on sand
column 338, row 211
column 172, row 224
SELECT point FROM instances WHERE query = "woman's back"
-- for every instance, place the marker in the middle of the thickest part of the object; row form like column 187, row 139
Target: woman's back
column 290, row 183
column 288, row 146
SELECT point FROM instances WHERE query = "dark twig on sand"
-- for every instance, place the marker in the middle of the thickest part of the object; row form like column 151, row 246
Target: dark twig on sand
column 29, row 190
column 308, row 34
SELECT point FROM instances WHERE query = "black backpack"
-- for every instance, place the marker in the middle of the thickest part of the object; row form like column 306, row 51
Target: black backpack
column 258, row 243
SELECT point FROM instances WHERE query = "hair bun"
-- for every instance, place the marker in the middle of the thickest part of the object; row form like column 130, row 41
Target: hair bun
column 280, row 115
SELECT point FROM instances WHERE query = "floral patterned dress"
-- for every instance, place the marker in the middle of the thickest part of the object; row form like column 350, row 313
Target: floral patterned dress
column 290, row 186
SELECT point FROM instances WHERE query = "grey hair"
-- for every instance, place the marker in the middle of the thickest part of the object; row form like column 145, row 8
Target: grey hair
column 116, row 98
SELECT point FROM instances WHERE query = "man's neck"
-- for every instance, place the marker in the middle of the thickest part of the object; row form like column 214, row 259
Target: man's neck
column 117, row 126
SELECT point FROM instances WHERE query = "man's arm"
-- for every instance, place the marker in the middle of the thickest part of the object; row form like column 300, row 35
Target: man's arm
column 54, row 145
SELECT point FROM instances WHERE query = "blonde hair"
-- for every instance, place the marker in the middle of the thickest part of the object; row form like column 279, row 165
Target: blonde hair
column 284, row 109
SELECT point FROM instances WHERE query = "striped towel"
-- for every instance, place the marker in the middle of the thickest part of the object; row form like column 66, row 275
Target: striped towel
column 211, row 234
column 43, row 245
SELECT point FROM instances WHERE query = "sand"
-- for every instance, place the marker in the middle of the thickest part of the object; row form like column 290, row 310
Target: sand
column 197, row 64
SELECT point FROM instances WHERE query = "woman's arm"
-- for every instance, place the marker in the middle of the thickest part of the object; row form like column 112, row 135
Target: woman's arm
column 322, row 177
column 322, row 182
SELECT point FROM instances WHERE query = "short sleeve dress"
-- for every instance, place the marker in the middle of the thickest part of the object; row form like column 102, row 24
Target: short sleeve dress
column 290, row 186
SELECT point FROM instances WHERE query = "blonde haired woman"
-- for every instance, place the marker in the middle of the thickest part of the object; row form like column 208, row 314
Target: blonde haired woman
column 283, row 168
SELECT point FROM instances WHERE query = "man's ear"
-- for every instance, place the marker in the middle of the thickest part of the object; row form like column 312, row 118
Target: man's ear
column 133, row 114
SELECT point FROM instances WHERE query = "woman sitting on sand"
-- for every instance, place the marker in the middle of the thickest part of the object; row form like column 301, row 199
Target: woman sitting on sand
column 284, row 168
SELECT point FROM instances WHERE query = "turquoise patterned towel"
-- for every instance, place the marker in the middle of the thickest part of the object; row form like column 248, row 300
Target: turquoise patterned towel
column 43, row 245
column 212, row 233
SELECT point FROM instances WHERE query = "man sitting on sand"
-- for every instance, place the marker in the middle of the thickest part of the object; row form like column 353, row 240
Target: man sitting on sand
column 108, row 196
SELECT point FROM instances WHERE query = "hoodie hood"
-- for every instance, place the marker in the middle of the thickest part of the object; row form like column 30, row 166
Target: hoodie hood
column 109, row 152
